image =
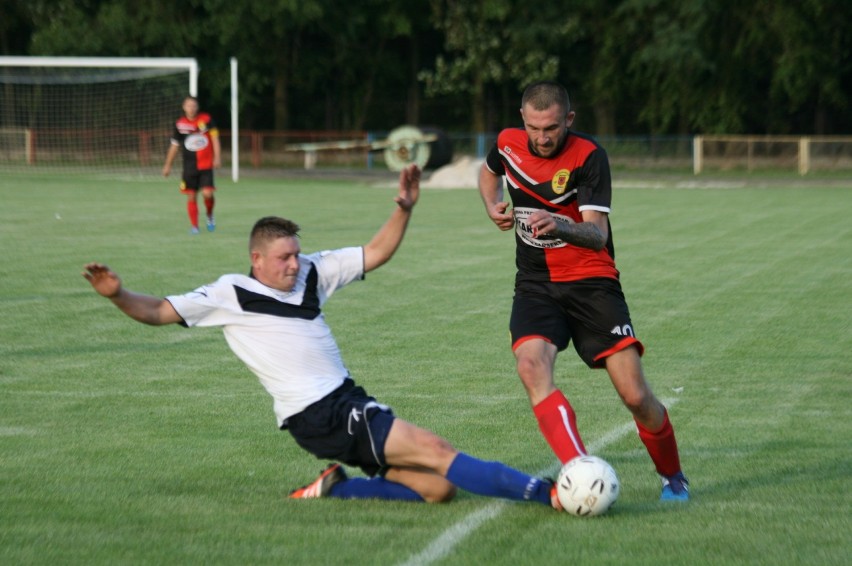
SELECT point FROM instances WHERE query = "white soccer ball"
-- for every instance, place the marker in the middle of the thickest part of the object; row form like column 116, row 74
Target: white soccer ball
column 587, row 486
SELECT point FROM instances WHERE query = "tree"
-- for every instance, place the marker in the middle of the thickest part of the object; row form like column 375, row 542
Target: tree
column 492, row 42
column 813, row 65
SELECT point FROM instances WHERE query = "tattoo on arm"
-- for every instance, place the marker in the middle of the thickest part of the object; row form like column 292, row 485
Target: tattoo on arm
column 582, row 234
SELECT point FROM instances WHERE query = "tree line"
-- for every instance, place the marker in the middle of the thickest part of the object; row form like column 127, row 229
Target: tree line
column 660, row 67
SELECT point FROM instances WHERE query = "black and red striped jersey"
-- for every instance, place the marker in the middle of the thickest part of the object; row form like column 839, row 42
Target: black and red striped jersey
column 576, row 178
column 195, row 140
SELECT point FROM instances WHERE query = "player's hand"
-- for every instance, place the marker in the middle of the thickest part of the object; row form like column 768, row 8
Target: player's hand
column 409, row 187
column 103, row 280
column 541, row 222
column 497, row 213
column 166, row 170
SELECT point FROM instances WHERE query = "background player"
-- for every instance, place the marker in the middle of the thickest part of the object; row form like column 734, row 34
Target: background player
column 273, row 322
column 196, row 134
column 567, row 286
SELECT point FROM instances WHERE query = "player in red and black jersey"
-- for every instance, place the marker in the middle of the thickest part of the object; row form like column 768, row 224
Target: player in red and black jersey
column 196, row 134
column 567, row 286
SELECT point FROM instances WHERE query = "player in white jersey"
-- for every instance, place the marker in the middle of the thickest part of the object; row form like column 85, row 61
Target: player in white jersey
column 272, row 320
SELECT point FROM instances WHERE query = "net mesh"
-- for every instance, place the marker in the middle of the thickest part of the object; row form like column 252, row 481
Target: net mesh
column 88, row 119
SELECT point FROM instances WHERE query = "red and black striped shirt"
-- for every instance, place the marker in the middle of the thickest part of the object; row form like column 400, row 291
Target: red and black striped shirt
column 574, row 179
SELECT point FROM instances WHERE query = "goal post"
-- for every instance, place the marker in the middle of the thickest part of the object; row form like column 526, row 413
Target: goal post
column 97, row 114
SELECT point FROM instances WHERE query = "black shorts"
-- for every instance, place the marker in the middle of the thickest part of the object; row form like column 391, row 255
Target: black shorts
column 192, row 181
column 346, row 426
column 591, row 312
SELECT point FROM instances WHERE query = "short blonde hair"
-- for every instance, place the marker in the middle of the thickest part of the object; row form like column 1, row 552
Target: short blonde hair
column 271, row 228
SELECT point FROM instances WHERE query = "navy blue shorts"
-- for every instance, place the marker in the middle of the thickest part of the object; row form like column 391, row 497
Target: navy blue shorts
column 346, row 426
column 591, row 312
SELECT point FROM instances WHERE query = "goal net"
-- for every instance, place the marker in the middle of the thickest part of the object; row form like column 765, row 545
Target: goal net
column 102, row 115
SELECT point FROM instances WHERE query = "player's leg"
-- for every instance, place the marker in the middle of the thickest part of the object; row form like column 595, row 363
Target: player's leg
column 207, row 190
column 350, row 426
column 428, row 464
column 538, row 332
column 189, row 187
column 652, row 420
column 625, row 371
column 556, row 418
column 604, row 337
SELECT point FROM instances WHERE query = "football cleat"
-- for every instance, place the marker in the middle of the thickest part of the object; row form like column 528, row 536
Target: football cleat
column 321, row 486
column 554, row 497
column 675, row 488
column 211, row 224
column 193, row 231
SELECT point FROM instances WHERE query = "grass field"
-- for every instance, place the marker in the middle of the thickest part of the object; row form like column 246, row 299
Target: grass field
column 126, row 444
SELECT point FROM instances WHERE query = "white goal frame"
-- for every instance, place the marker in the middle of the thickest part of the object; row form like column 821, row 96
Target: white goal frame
column 187, row 63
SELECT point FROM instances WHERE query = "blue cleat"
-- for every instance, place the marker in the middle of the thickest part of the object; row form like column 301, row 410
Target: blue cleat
column 211, row 224
column 193, row 231
column 675, row 488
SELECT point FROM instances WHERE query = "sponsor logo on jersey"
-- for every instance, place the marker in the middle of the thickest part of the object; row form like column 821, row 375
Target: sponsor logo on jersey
column 515, row 157
column 560, row 181
column 528, row 235
column 195, row 142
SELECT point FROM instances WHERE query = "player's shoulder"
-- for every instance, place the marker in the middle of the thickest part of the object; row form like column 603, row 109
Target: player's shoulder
column 230, row 278
column 516, row 135
column 334, row 256
column 584, row 141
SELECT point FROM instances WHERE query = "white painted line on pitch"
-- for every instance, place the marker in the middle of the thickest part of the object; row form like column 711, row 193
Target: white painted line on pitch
column 450, row 538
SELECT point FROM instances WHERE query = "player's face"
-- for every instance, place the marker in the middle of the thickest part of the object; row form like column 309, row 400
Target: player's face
column 546, row 128
column 190, row 108
column 276, row 264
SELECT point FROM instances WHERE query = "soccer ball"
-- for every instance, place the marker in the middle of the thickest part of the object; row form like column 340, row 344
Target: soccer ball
column 587, row 486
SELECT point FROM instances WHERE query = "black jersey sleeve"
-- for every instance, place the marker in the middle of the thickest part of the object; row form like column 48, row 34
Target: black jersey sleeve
column 595, row 184
column 494, row 162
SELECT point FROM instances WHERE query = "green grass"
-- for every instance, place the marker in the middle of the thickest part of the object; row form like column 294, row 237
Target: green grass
column 126, row 444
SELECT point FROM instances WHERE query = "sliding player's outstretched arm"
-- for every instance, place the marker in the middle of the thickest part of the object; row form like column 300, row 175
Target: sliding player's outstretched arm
column 386, row 241
column 143, row 308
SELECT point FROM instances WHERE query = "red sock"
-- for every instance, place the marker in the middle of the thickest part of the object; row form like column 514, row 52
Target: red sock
column 558, row 424
column 662, row 447
column 208, row 204
column 192, row 210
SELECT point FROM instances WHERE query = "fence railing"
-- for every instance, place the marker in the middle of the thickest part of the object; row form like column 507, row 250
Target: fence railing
column 26, row 148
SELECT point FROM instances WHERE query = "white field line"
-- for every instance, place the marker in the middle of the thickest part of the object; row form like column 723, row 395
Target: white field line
column 453, row 536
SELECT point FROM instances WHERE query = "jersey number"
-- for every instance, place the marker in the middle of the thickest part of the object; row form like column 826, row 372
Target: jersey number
column 625, row 330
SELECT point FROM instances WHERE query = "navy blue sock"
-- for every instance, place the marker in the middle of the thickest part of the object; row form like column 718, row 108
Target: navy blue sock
column 496, row 479
column 373, row 488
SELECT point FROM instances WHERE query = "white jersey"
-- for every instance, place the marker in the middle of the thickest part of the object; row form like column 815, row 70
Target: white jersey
column 281, row 336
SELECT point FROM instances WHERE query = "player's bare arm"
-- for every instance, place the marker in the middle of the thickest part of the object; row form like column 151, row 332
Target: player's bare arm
column 491, row 191
column 386, row 241
column 217, row 149
column 143, row 308
column 170, row 158
column 591, row 233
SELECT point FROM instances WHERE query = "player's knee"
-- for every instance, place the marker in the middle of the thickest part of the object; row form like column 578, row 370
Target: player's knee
column 641, row 403
column 442, row 492
column 531, row 369
column 440, row 449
